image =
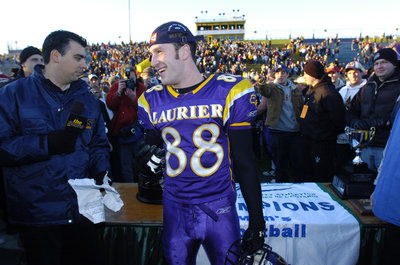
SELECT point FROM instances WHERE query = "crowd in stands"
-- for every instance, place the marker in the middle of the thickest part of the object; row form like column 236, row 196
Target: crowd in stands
column 219, row 56
column 238, row 57
column 231, row 57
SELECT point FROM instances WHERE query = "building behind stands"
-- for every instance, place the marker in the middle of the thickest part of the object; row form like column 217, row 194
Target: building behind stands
column 221, row 27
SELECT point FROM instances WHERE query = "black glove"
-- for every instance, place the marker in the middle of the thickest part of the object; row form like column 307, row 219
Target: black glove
column 379, row 122
column 253, row 238
column 61, row 142
column 151, row 159
column 98, row 178
column 360, row 124
column 366, row 124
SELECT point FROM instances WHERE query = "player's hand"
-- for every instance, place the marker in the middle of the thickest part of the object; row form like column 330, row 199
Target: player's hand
column 151, row 159
column 253, row 238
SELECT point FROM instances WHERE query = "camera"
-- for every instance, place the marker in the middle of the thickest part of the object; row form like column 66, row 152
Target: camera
column 153, row 81
column 130, row 83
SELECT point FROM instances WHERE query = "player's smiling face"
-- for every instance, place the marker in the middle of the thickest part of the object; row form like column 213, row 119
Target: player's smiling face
column 165, row 59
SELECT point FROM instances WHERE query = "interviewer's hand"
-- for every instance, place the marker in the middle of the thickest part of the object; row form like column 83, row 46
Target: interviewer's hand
column 99, row 177
column 61, row 142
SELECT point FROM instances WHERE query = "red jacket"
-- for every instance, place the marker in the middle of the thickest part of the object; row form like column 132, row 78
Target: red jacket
column 122, row 107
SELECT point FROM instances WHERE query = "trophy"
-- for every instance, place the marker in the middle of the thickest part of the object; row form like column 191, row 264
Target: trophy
column 358, row 139
column 355, row 180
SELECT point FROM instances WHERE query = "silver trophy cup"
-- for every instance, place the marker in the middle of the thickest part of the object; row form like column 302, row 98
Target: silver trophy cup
column 358, row 139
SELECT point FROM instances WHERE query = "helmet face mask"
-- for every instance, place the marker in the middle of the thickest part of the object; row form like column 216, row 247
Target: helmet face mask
column 263, row 256
column 150, row 188
column 151, row 174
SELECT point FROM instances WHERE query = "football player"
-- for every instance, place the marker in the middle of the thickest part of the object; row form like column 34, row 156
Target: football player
column 204, row 127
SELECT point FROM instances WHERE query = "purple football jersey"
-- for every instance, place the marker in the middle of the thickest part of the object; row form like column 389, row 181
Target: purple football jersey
column 194, row 129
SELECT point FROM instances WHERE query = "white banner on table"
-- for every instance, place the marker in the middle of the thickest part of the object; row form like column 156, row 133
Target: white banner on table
column 305, row 225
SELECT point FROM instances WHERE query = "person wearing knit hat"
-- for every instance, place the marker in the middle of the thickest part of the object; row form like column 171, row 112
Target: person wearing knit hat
column 28, row 58
column 385, row 62
column 385, row 198
column 383, row 89
column 315, row 69
column 388, row 54
column 376, row 104
column 321, row 120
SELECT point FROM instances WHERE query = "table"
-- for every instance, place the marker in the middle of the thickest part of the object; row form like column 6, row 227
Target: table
column 372, row 231
column 134, row 211
column 133, row 235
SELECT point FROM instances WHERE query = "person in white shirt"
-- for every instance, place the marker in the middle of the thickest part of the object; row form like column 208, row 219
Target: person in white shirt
column 354, row 73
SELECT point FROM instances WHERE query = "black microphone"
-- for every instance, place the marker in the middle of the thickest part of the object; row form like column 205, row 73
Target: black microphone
column 76, row 123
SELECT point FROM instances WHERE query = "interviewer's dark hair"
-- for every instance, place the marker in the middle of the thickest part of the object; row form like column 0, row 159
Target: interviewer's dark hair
column 59, row 40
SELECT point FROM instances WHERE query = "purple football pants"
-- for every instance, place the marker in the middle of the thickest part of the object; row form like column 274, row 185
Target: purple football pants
column 214, row 224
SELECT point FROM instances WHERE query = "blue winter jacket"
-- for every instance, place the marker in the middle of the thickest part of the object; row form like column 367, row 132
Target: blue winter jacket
column 36, row 183
column 387, row 191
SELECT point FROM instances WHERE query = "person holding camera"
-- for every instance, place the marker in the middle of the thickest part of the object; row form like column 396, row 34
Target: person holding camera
column 148, row 76
column 122, row 100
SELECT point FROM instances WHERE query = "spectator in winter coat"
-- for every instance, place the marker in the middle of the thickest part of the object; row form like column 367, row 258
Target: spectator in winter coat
column 321, row 120
column 374, row 103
